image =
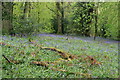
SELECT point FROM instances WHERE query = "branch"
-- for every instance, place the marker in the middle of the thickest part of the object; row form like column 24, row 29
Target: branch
column 51, row 9
column 62, row 53
column 6, row 59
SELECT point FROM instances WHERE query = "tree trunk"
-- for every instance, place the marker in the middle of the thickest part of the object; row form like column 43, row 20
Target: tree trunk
column 7, row 16
column 26, row 15
column 26, row 10
column 1, row 18
column 38, row 18
column 59, row 31
column 118, row 37
column 62, row 17
column 96, row 20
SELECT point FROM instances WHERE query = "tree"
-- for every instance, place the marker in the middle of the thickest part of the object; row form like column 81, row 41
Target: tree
column 62, row 17
column 59, row 31
column 108, row 20
column 58, row 20
column 26, row 11
column 83, row 17
column 7, row 16
column 96, row 19
column 26, row 22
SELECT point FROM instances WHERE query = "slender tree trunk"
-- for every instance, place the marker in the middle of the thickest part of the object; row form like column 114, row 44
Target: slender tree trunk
column 7, row 16
column 11, row 18
column 25, row 16
column 59, row 31
column 118, row 37
column 38, row 17
column 1, row 18
column 62, row 17
column 29, row 9
column 96, row 20
column 26, row 10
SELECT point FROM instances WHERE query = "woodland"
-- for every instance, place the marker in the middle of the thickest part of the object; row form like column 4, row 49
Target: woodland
column 60, row 39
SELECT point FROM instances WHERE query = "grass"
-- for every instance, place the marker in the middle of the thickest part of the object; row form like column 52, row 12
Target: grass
column 104, row 52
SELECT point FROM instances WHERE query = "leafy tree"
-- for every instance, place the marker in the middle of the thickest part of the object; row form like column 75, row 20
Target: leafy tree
column 82, row 18
column 108, row 20
column 59, row 20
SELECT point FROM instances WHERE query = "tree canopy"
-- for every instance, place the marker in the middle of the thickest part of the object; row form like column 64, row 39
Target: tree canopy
column 80, row 18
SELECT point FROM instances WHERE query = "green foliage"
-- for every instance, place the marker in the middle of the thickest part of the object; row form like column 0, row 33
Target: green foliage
column 108, row 20
column 54, row 24
column 38, row 20
column 79, row 18
column 82, row 17
column 100, row 50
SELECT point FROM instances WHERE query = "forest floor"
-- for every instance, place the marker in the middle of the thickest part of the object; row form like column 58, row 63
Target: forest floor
column 100, row 39
column 59, row 56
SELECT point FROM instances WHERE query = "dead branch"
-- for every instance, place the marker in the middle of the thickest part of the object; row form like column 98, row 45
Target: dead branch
column 6, row 59
column 11, row 61
column 42, row 63
column 62, row 53
column 92, row 60
column 2, row 43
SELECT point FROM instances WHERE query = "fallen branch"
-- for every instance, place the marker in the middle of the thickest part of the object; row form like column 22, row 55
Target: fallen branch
column 6, row 59
column 45, row 64
column 11, row 61
column 62, row 53
column 2, row 43
column 92, row 60
column 40, row 63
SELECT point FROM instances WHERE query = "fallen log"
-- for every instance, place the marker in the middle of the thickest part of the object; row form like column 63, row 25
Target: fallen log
column 62, row 53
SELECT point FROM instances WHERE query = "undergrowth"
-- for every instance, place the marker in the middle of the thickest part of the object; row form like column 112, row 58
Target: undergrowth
column 26, row 52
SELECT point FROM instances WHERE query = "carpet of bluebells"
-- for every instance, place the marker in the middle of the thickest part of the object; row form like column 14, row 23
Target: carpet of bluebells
column 103, row 50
